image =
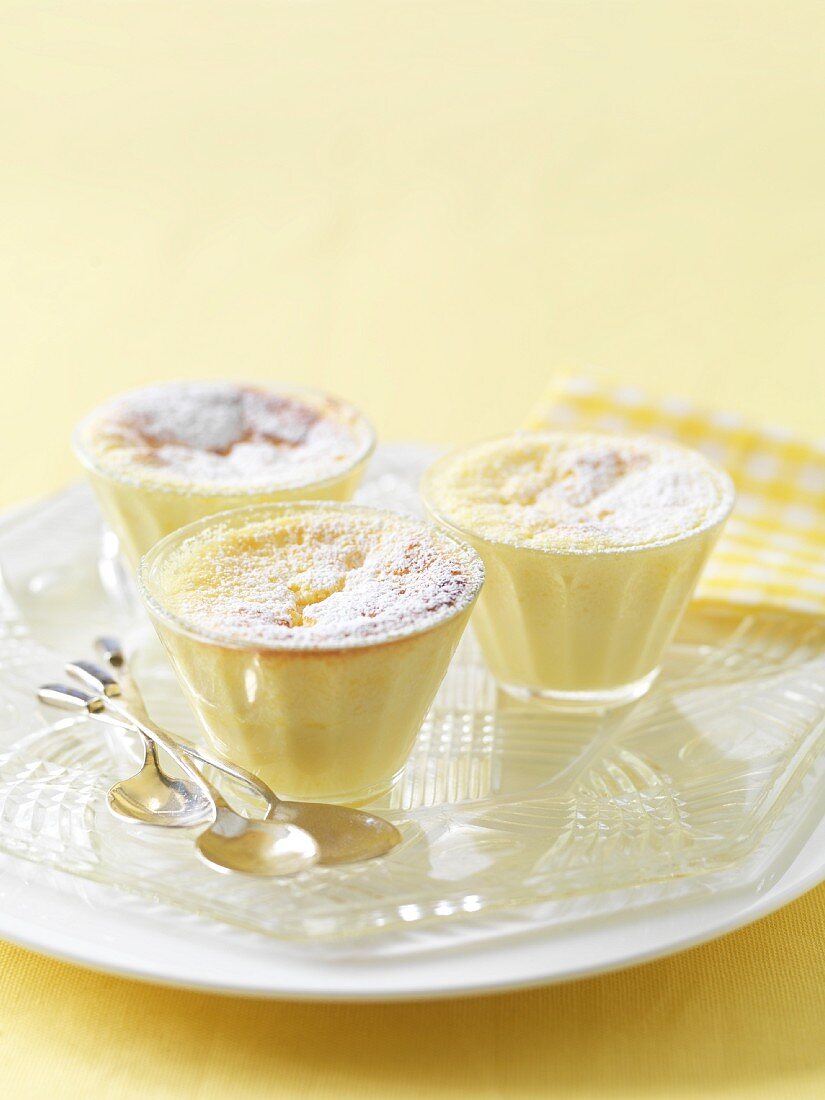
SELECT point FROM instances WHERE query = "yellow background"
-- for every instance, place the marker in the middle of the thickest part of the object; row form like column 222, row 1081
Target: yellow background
column 427, row 208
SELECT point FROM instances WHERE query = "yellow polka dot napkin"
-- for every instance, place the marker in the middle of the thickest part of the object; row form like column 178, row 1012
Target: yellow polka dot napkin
column 773, row 547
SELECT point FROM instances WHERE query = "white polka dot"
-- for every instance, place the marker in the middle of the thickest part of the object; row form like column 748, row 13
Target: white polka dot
column 749, row 505
column 579, row 385
column 802, row 605
column 676, row 406
column 777, row 433
column 562, row 415
column 812, row 477
column 744, row 595
column 716, row 452
column 629, row 395
column 726, row 420
column 812, row 584
column 800, row 515
column 613, row 424
column 762, row 466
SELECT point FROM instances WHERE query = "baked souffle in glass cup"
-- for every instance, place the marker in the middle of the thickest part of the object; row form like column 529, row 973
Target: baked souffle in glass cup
column 310, row 638
column 592, row 545
column 160, row 457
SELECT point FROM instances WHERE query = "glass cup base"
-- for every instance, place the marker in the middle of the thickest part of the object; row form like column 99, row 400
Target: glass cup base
column 583, row 701
column 350, row 798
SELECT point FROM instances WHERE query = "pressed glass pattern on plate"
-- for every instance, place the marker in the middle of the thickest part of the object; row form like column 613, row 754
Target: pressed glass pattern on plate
column 708, row 784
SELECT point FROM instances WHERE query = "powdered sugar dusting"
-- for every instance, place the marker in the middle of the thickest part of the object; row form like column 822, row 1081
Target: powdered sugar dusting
column 219, row 435
column 307, row 576
column 579, row 491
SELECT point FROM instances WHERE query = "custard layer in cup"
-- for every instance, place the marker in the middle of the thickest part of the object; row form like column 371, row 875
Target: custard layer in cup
column 165, row 456
column 310, row 639
column 592, row 545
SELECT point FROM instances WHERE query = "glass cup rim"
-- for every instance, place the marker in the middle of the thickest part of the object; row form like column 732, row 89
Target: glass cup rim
column 167, row 543
column 716, row 519
column 362, row 455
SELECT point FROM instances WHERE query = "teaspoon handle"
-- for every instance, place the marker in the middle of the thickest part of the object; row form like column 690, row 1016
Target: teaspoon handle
column 111, row 651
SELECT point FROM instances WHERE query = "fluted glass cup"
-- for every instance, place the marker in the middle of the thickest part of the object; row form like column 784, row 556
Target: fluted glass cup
column 583, row 629
column 141, row 512
column 332, row 722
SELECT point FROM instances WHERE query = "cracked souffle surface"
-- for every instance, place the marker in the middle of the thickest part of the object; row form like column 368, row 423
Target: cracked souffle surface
column 578, row 492
column 218, row 436
column 304, row 575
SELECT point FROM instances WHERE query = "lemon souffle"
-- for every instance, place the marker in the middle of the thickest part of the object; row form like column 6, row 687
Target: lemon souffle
column 311, row 638
column 593, row 545
column 166, row 455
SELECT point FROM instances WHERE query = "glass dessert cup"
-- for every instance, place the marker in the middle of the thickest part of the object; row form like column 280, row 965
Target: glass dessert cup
column 581, row 629
column 320, row 721
column 141, row 509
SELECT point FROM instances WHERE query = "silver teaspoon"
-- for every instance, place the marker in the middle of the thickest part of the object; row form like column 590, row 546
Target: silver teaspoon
column 343, row 834
column 232, row 842
column 150, row 796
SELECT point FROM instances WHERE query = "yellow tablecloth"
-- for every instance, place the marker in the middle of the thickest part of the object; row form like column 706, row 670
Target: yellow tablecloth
column 744, row 1017
column 427, row 207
